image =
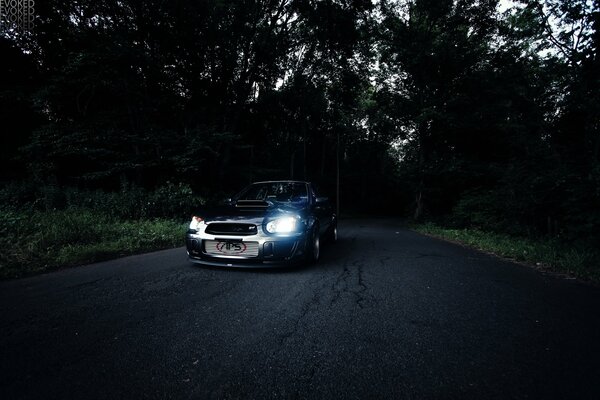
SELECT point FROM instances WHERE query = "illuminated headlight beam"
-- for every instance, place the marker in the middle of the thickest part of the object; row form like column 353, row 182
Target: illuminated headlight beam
column 282, row 225
column 195, row 222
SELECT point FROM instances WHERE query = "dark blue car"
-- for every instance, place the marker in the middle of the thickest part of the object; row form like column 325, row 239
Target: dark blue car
column 266, row 224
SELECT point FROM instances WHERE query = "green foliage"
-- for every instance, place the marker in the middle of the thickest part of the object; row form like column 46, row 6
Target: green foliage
column 40, row 241
column 47, row 227
column 488, row 210
column 171, row 200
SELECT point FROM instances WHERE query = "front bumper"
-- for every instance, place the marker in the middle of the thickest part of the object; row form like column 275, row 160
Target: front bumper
column 272, row 250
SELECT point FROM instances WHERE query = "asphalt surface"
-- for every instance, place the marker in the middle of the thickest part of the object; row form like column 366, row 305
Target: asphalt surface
column 387, row 313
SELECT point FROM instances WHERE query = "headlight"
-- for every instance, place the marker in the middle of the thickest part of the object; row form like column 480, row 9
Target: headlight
column 195, row 222
column 282, row 225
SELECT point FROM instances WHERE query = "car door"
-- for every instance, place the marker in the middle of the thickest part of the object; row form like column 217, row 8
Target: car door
column 321, row 208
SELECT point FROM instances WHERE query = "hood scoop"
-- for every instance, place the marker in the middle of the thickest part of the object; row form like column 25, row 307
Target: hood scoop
column 251, row 204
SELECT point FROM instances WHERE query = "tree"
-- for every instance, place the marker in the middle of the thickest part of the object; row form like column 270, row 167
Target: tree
column 430, row 51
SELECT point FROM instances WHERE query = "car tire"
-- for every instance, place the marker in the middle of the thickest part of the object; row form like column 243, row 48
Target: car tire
column 313, row 246
column 332, row 232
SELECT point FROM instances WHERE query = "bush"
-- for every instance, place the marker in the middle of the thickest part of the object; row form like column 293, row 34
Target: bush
column 39, row 241
column 488, row 210
column 46, row 227
column 172, row 200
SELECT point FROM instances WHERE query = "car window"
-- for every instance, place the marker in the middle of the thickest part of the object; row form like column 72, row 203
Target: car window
column 280, row 192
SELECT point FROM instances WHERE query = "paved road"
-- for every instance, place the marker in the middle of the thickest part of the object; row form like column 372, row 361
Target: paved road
column 388, row 313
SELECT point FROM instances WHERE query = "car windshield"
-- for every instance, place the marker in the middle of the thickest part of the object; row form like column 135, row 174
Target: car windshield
column 277, row 192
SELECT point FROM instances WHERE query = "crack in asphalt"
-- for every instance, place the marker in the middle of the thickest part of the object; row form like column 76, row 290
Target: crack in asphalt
column 350, row 280
column 343, row 283
column 341, row 278
column 306, row 381
column 363, row 287
column 314, row 301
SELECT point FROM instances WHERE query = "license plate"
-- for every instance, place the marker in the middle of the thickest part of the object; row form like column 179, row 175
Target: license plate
column 231, row 248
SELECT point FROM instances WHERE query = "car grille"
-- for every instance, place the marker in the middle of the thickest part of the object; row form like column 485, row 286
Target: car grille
column 217, row 228
column 224, row 248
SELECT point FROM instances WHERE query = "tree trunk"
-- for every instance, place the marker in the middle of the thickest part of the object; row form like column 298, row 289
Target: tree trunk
column 419, row 207
column 419, row 194
column 323, row 148
column 337, row 176
column 292, row 160
column 304, row 161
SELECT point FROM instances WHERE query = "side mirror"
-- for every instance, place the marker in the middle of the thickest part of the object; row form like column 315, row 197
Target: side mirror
column 322, row 200
column 227, row 201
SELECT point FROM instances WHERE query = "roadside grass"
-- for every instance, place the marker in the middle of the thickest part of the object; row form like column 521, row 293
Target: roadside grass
column 549, row 254
column 42, row 241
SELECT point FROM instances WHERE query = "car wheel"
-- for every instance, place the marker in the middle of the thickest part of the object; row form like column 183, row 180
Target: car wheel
column 313, row 248
column 332, row 232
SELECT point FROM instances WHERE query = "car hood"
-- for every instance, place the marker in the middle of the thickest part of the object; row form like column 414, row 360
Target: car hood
column 251, row 215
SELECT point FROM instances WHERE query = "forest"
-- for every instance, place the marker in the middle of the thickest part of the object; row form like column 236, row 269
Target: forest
column 470, row 114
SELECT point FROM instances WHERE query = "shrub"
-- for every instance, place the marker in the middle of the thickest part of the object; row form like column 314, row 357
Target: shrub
column 46, row 227
column 488, row 210
column 38, row 241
